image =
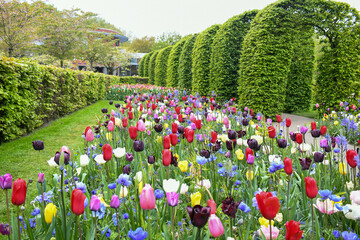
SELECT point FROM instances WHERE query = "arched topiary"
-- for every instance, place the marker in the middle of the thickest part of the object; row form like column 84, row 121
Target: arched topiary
column 173, row 64
column 226, row 50
column 152, row 67
column 141, row 66
column 161, row 66
column 185, row 63
column 201, row 60
column 146, row 63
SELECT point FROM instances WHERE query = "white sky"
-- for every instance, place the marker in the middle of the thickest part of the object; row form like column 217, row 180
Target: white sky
column 153, row 17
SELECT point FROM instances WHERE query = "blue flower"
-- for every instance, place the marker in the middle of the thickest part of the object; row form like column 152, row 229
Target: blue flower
column 32, row 222
column 325, row 194
column 101, row 213
column 107, row 232
column 159, row 193
column 237, row 182
column 114, row 219
column 349, row 236
column 138, row 234
column 125, row 216
column 81, row 186
column 35, row 212
column 335, row 198
column 124, row 180
column 200, row 160
column 276, row 166
column 243, row 207
column 112, row 186
column 336, row 150
column 337, row 233
column 338, row 206
column 47, row 197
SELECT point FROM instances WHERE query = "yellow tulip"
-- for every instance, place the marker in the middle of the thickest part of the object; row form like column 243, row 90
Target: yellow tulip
column 108, row 136
column 195, row 199
column 239, row 154
column 140, row 187
column 250, row 175
column 117, row 122
column 342, row 169
column 251, row 122
column 264, row 222
column 183, row 165
column 223, row 138
column 166, row 125
column 336, row 123
column 50, row 212
column 100, row 196
column 159, row 140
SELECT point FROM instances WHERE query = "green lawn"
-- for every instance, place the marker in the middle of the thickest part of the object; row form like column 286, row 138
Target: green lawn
column 20, row 159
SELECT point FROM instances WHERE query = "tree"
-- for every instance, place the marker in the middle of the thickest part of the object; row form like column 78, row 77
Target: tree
column 152, row 67
column 165, row 40
column 114, row 58
column 185, row 63
column 173, row 64
column 161, row 66
column 18, row 25
column 142, row 45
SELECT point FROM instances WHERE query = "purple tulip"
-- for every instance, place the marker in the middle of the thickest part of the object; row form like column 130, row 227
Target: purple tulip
column 115, row 202
column 250, row 159
column 129, row 157
column 323, row 143
column 6, row 181
column 41, row 178
column 94, row 203
column 4, row 229
column 172, row 198
column 303, row 129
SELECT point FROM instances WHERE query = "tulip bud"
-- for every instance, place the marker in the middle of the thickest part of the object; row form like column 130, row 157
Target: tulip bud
column 115, row 203
column 41, row 178
column 6, row 181
column 151, row 159
column 38, row 145
column 94, row 203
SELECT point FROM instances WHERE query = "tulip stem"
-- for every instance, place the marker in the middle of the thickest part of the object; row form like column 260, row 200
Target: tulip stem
column 18, row 220
column 96, row 226
column 108, row 171
column 63, row 201
column 231, row 227
column 80, row 237
column 118, row 223
column 312, row 218
column 270, row 229
column 42, row 193
column 199, row 234
column 172, row 222
column 149, row 224
column 287, row 199
column 7, row 207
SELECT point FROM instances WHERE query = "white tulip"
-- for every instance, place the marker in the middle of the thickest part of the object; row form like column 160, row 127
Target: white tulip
column 52, row 163
column 123, row 192
column 100, row 159
column 119, row 152
column 171, row 185
column 184, row 188
column 84, row 160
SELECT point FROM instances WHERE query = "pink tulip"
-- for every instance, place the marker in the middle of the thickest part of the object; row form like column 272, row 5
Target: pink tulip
column 215, row 226
column 147, row 198
column 209, row 118
column 162, row 109
column 325, row 206
column 317, row 105
column 89, row 136
column 140, row 125
column 266, row 232
column 112, row 113
column 200, row 105
column 341, row 104
column 110, row 126
column 192, row 117
column 149, row 112
column 65, row 149
column 226, row 121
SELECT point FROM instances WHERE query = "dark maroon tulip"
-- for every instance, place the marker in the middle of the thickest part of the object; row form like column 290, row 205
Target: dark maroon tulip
column 151, row 159
column 328, row 149
column 232, row 134
column 333, row 142
column 181, row 129
column 229, row 206
column 282, row 143
column 293, row 136
column 205, row 153
column 104, row 110
column 126, row 169
column 216, row 147
column 318, row 157
column 111, row 102
column 230, row 144
column 253, row 144
column 138, row 145
column 117, row 105
column 305, row 163
column 245, row 122
column 315, row 133
column 38, row 145
column 241, row 134
column 199, row 215
column 158, row 128
column 129, row 157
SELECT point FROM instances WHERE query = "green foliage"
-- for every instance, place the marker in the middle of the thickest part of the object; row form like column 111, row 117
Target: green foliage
column 165, row 40
column 152, row 67
column 33, row 94
column 173, row 64
column 141, row 66
column 161, row 64
column 142, row 45
column 147, row 63
column 201, row 60
column 185, row 63
column 226, row 51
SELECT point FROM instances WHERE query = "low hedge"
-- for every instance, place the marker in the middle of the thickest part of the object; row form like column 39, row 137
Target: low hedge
column 33, row 94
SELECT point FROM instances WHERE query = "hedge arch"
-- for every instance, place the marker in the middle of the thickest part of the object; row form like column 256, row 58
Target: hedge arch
column 185, row 63
column 226, row 52
column 201, row 60
column 142, row 66
column 152, row 67
column 161, row 66
column 276, row 66
column 172, row 79
column 146, row 63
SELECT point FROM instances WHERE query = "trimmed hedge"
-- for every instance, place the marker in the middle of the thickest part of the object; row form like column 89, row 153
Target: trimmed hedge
column 152, row 67
column 201, row 60
column 226, row 52
column 172, row 79
column 146, row 63
column 33, row 94
column 185, row 63
column 161, row 66
column 142, row 66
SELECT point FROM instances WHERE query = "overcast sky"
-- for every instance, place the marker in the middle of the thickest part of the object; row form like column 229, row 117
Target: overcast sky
column 153, row 17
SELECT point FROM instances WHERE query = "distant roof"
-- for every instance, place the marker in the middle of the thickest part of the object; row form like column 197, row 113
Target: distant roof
column 115, row 34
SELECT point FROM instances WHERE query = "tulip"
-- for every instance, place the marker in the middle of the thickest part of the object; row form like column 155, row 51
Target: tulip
column 323, row 143
column 166, row 154
column 131, row 115
column 226, row 121
column 110, row 126
column 216, row 228
column 323, row 130
column 199, row 215
column 231, row 134
column 183, row 165
column 213, row 137
column 266, row 232
column 151, row 159
column 248, row 152
column 123, row 192
column 293, row 230
column 77, row 202
column 67, row 150
column 174, row 128
column 6, row 181
column 326, row 206
column 192, row 117
column 41, row 178
column 351, row 155
column 250, row 159
column 315, row 133
column 38, row 145
column 19, row 192
column 311, row 187
column 89, row 137
column 278, row 118
column 133, row 132
column 198, row 124
column 129, row 157
column 272, row 132
column 4, row 229
column 268, row 204
column 195, row 199
column 107, row 152
column 342, row 168
column 180, row 118
column 94, row 203
column 115, row 202
column 288, row 166
column 138, row 145
column 124, row 122
column 212, row 204
column 230, row 207
column 140, row 125
column 288, row 122
column 166, row 142
column 50, row 212
column 190, row 135
column 147, row 198
column 158, row 128
column 282, row 143
column 318, row 157
column 172, row 198
column 299, row 138
column 173, row 139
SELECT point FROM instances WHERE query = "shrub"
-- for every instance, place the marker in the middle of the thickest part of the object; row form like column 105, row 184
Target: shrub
column 152, row 67
column 146, row 63
column 172, row 79
column 142, row 66
column 201, row 60
column 161, row 66
column 226, row 52
column 185, row 63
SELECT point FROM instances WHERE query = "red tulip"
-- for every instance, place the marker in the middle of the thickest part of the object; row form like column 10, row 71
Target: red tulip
column 153, row 106
column 124, row 122
column 174, row 128
column 77, row 202
column 212, row 107
column 323, row 130
column 173, row 139
column 87, row 129
column 313, row 125
column 19, row 192
column 166, row 142
column 198, row 123
column 166, row 154
column 311, row 187
column 350, row 158
column 293, row 230
column 189, row 135
column 248, row 151
column 288, row 122
column 131, row 115
column 132, row 132
column 288, row 166
column 107, row 152
column 141, row 107
column 268, row 204
column 212, row 204
column 180, row 118
column 213, row 137
column 278, row 118
column 177, row 109
column 272, row 132
column 112, row 119
column 299, row 138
